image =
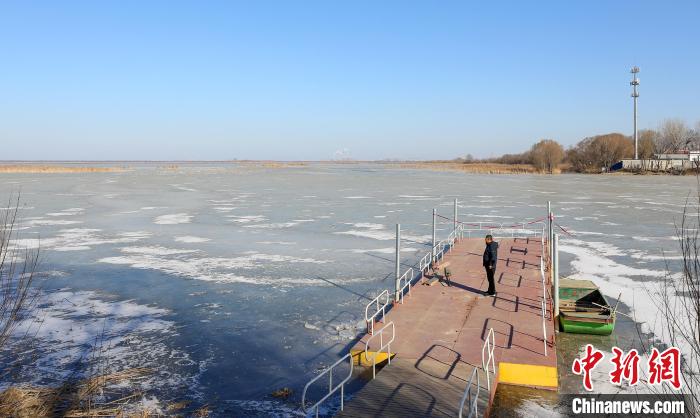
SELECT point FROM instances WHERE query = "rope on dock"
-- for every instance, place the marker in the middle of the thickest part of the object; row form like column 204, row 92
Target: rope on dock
column 492, row 226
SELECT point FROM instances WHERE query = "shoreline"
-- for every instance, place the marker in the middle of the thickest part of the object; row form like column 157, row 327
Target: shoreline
column 64, row 167
column 55, row 169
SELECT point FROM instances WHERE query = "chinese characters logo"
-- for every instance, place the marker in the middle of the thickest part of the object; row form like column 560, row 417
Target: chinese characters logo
column 662, row 367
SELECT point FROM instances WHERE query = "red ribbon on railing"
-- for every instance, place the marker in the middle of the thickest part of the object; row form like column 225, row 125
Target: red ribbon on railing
column 563, row 229
column 493, row 226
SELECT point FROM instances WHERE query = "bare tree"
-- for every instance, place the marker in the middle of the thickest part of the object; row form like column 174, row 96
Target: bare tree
column 600, row 152
column 546, row 155
column 647, row 143
column 17, row 269
column 694, row 135
column 673, row 135
column 677, row 298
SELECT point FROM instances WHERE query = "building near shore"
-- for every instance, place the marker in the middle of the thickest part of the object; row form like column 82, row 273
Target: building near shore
column 677, row 161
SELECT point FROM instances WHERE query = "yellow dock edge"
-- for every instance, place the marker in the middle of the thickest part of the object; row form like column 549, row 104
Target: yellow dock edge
column 359, row 358
column 528, row 375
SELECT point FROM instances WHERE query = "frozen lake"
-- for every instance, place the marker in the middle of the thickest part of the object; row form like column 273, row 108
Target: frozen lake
column 231, row 282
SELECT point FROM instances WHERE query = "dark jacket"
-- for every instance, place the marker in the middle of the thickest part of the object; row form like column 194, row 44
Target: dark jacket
column 491, row 254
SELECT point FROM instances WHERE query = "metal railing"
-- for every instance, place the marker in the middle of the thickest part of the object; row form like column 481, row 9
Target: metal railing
column 407, row 279
column 500, row 230
column 424, row 262
column 379, row 307
column 331, row 388
column 544, row 305
column 469, row 398
column 382, row 345
column 440, row 249
column 487, row 357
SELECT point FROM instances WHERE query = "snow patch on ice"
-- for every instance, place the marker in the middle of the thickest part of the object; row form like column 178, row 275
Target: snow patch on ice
column 247, row 218
column 191, row 239
column 275, row 225
column 61, row 334
column 378, row 232
column 49, row 222
column 193, row 265
column 173, row 219
column 77, row 239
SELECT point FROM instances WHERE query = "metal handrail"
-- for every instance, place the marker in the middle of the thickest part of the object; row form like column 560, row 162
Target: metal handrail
column 544, row 306
column 407, row 278
column 424, row 262
column 525, row 230
column 379, row 307
column 489, row 345
column 382, row 346
column 331, row 389
column 440, row 248
column 472, row 399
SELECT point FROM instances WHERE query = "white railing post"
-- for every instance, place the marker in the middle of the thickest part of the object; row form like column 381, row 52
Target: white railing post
column 550, row 230
column 331, row 389
column 454, row 228
column 471, row 399
column 397, row 286
column 487, row 356
column 379, row 307
column 555, row 275
column 434, row 219
column 544, row 304
column 405, row 282
column 382, row 346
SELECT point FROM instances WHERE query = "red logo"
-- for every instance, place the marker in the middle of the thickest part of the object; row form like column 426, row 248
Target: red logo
column 586, row 364
column 627, row 367
column 663, row 367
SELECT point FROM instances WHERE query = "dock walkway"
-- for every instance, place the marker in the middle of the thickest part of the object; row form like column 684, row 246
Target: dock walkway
column 440, row 332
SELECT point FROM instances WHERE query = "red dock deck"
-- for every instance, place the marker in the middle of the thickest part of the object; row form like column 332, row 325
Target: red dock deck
column 440, row 332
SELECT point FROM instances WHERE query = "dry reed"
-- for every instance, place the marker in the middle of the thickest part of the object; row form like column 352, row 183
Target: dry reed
column 475, row 168
column 73, row 399
column 48, row 169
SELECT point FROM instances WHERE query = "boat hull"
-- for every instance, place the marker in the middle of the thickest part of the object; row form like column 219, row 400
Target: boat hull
column 579, row 327
column 582, row 308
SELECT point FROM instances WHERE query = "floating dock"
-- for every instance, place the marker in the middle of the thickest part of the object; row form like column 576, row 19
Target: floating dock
column 442, row 350
column 440, row 333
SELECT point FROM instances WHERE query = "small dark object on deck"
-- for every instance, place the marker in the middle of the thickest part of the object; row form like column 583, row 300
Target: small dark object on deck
column 520, row 250
column 448, row 275
column 432, row 281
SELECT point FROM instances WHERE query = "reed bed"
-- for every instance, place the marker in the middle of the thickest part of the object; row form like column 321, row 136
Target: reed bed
column 475, row 168
column 75, row 399
column 272, row 164
column 35, row 168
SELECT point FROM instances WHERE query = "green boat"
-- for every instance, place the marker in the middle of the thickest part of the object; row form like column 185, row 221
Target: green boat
column 583, row 309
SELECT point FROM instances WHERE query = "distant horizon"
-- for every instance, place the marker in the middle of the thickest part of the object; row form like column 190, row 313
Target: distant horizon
column 387, row 160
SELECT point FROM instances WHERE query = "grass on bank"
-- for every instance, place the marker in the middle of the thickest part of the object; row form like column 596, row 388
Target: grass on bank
column 476, row 168
column 73, row 399
column 82, row 399
column 36, row 168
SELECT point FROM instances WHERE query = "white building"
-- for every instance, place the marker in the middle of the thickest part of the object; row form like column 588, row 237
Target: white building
column 681, row 160
column 680, row 155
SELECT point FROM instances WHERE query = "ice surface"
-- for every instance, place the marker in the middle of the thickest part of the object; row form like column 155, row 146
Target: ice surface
column 210, row 275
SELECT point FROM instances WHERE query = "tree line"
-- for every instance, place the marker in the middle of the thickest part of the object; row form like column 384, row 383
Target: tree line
column 599, row 152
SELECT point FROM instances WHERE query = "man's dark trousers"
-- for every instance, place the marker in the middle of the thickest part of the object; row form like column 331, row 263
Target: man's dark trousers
column 492, row 285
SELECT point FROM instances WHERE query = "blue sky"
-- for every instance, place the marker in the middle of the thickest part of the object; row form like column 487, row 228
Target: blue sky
column 303, row 80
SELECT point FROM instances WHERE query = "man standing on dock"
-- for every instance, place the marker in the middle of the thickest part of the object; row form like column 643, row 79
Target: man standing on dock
column 490, row 259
